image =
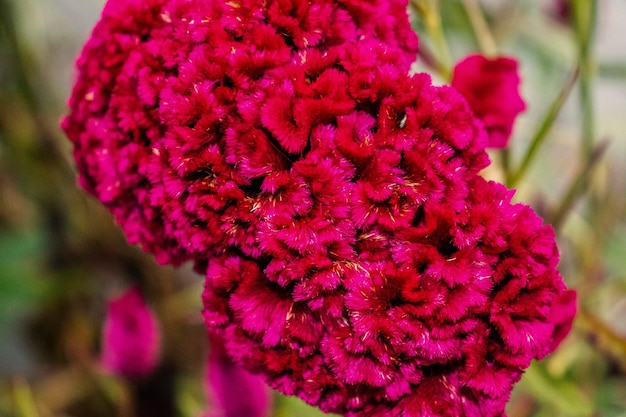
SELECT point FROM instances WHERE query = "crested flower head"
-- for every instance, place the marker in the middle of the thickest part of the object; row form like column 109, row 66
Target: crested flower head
column 491, row 88
column 170, row 93
column 353, row 256
column 130, row 337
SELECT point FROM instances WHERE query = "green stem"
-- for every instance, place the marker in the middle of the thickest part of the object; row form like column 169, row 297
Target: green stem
column 603, row 336
column 505, row 155
column 484, row 36
column 18, row 56
column 430, row 12
column 578, row 185
column 543, row 130
column 586, row 107
column 585, row 13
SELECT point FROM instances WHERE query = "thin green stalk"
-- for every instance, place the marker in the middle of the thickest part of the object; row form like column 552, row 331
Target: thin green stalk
column 585, row 18
column 484, row 36
column 578, row 186
column 429, row 10
column 586, row 106
column 602, row 335
column 543, row 130
column 19, row 59
column 505, row 155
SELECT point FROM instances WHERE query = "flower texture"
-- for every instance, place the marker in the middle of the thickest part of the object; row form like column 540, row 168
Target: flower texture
column 130, row 337
column 169, row 94
column 353, row 255
column 491, row 87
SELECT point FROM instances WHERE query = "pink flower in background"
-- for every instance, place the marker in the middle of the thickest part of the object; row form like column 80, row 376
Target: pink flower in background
column 130, row 337
column 561, row 11
column 491, row 87
column 233, row 391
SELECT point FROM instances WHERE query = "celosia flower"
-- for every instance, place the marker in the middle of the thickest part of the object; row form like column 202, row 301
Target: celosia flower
column 491, row 87
column 144, row 141
column 130, row 337
column 233, row 391
column 353, row 255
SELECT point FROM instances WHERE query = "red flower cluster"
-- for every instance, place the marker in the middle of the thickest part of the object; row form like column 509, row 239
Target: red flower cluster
column 170, row 93
column 491, row 87
column 353, row 255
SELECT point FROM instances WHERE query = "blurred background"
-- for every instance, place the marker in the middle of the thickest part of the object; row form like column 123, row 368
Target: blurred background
column 62, row 257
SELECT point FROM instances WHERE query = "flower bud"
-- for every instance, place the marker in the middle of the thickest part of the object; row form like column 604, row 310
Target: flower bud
column 130, row 337
column 491, row 88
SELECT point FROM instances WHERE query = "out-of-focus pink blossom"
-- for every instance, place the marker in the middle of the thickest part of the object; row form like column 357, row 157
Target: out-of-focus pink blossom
column 233, row 391
column 130, row 338
column 561, row 11
column 562, row 315
column 491, row 87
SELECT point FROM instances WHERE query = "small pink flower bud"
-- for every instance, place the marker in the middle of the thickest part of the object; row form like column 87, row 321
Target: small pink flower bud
column 491, row 88
column 130, row 337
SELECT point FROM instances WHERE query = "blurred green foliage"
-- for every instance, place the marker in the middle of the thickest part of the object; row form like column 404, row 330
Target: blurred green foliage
column 61, row 256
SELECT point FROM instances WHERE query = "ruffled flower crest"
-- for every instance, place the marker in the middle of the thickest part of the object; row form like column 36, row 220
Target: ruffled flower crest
column 353, row 255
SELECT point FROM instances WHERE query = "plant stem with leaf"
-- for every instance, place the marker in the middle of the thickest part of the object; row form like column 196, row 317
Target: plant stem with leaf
column 579, row 185
column 543, row 130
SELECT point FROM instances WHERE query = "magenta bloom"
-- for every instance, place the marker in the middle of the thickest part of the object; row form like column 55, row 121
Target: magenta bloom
column 170, row 94
column 233, row 391
column 130, row 337
column 491, row 87
column 353, row 255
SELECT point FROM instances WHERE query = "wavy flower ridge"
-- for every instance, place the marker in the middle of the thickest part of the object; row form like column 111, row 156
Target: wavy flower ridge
column 169, row 94
column 353, row 255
